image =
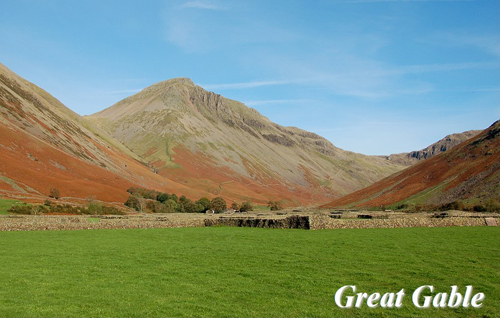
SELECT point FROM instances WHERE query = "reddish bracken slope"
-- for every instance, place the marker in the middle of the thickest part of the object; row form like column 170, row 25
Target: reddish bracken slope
column 45, row 145
column 469, row 171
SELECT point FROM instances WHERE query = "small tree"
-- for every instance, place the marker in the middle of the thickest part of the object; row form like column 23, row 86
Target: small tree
column 235, row 206
column 204, row 203
column 136, row 202
column 275, row 205
column 159, row 207
column 54, row 193
column 190, row 207
column 171, row 206
column 218, row 204
column 246, row 206
column 200, row 208
column 162, row 197
column 94, row 207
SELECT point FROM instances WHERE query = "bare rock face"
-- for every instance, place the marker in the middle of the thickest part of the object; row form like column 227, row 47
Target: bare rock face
column 183, row 130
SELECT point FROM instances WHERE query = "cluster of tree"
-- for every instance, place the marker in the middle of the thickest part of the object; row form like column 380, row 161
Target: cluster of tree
column 144, row 200
column 489, row 206
column 92, row 208
column 243, row 207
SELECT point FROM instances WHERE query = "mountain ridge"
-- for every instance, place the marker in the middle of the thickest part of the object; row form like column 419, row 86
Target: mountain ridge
column 468, row 172
column 174, row 136
column 440, row 146
column 46, row 145
column 178, row 117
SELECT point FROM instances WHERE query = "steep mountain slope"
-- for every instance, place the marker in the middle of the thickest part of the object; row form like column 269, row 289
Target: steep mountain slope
column 436, row 148
column 468, row 172
column 208, row 142
column 45, row 145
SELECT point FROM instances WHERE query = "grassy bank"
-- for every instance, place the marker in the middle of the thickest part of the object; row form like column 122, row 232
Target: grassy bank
column 6, row 204
column 225, row 271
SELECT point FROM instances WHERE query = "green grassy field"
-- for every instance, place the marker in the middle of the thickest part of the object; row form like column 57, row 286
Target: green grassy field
column 224, row 271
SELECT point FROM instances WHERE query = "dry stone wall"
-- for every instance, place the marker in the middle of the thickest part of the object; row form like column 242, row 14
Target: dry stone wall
column 312, row 221
column 44, row 222
column 325, row 222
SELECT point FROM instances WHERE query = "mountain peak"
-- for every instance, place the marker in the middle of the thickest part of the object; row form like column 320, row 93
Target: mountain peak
column 180, row 80
column 184, row 81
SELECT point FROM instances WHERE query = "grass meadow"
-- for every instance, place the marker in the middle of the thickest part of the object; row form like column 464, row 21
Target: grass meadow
column 223, row 271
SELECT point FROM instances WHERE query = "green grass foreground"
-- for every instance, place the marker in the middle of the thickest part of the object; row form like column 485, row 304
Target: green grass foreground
column 224, row 271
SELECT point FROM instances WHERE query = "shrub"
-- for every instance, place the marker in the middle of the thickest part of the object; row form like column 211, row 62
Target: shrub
column 402, row 206
column 150, row 205
column 235, row 206
column 479, row 208
column 145, row 193
column 492, row 205
column 275, row 205
column 162, row 197
column 20, row 209
column 94, row 207
column 246, row 206
column 55, row 194
column 171, row 206
column 136, row 202
column 451, row 206
column 111, row 210
column 160, row 207
column 200, row 208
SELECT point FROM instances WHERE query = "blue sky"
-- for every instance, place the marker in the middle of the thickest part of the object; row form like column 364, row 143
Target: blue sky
column 372, row 76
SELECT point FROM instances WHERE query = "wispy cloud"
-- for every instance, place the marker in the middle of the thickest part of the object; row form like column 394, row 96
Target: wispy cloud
column 488, row 43
column 358, row 79
column 126, row 91
column 202, row 26
column 204, row 5
column 251, row 84
column 277, row 101
column 443, row 67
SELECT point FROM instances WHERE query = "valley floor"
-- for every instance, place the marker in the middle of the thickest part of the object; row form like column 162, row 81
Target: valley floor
column 241, row 272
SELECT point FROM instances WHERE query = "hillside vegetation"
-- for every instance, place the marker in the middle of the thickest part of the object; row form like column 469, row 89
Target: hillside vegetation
column 468, row 174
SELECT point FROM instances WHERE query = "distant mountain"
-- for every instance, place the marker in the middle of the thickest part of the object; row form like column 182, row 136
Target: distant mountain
column 436, row 148
column 469, row 172
column 45, row 145
column 205, row 141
